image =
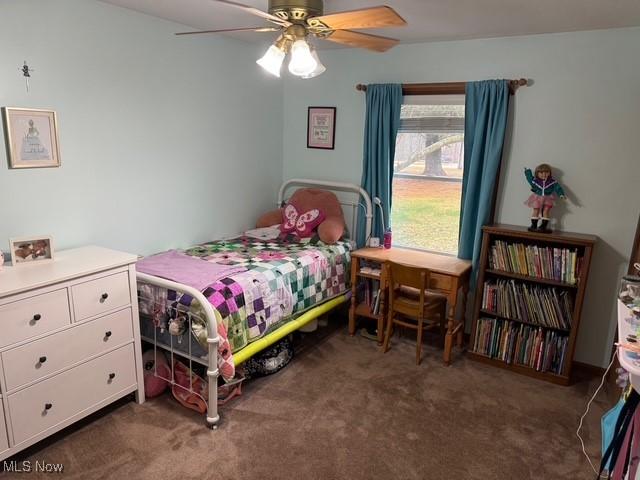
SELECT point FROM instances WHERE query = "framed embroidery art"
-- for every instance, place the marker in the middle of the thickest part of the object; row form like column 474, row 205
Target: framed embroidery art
column 321, row 127
column 31, row 137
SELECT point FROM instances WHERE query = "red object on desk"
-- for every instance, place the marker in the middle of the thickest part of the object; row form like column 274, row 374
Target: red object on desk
column 387, row 239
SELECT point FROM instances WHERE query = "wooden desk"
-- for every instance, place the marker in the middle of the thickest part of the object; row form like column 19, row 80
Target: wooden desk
column 449, row 275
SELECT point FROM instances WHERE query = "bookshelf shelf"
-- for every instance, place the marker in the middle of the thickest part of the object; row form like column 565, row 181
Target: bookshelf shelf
column 551, row 349
column 522, row 369
column 489, row 313
column 367, row 294
column 528, row 278
column 364, row 310
column 372, row 276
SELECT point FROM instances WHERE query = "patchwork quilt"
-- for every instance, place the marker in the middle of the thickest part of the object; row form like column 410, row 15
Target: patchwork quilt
column 283, row 278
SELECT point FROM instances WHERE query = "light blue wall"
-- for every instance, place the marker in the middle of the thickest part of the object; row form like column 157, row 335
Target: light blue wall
column 580, row 115
column 165, row 141
column 168, row 141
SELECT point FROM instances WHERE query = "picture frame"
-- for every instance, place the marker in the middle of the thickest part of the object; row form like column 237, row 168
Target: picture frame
column 31, row 137
column 31, row 250
column 321, row 127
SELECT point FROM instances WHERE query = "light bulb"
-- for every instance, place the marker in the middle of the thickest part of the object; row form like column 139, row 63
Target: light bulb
column 272, row 60
column 302, row 62
column 320, row 68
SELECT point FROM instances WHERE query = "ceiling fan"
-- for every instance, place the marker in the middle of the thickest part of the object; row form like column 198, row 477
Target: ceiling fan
column 298, row 20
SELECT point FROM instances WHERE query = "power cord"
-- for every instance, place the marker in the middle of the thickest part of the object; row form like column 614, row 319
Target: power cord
column 615, row 354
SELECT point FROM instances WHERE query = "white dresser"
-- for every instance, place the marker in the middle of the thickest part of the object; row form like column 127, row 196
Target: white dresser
column 69, row 342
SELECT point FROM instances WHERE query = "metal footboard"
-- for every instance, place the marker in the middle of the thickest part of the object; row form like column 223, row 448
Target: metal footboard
column 212, row 343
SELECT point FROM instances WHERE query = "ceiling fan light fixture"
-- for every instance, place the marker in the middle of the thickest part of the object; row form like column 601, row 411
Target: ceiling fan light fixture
column 299, row 20
column 302, row 62
column 272, row 60
column 320, row 68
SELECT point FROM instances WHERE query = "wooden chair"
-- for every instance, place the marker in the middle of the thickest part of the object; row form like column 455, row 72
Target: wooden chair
column 412, row 305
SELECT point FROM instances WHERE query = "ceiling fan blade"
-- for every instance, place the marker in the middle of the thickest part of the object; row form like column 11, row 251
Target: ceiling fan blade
column 375, row 17
column 362, row 40
column 254, row 11
column 248, row 29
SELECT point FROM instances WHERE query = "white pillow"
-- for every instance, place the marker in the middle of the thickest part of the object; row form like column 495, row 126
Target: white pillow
column 265, row 233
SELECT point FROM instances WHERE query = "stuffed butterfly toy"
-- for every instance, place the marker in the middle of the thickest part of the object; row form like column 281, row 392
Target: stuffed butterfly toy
column 300, row 223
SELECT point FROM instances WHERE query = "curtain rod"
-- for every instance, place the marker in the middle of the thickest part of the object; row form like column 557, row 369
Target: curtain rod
column 447, row 88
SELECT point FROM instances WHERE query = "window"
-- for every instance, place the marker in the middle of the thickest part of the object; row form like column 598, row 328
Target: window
column 427, row 179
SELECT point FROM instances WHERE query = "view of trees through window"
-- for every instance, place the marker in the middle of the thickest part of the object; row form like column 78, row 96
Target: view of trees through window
column 427, row 182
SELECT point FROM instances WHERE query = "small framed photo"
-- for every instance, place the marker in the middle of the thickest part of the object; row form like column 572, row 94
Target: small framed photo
column 31, row 137
column 31, row 250
column 321, row 127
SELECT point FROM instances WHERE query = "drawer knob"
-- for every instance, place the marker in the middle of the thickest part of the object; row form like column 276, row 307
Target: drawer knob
column 107, row 334
column 42, row 359
column 47, row 406
column 37, row 317
column 112, row 376
column 104, row 296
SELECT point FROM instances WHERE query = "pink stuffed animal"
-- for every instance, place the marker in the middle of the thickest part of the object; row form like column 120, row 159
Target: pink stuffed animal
column 155, row 385
column 331, row 227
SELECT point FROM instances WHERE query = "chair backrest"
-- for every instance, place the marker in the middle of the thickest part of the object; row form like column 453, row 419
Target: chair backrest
column 406, row 276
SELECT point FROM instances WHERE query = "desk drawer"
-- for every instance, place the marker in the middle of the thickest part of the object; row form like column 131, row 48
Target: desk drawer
column 52, row 401
column 101, row 295
column 56, row 352
column 4, row 443
column 33, row 316
column 440, row 282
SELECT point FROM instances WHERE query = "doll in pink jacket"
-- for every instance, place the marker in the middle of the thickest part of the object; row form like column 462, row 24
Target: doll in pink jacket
column 545, row 190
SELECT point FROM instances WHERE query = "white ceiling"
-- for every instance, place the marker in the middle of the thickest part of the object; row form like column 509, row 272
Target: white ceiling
column 428, row 20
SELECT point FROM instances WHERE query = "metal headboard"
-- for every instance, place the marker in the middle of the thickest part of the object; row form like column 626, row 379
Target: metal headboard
column 351, row 209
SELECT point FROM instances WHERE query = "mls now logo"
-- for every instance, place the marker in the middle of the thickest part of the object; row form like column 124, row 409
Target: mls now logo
column 28, row 467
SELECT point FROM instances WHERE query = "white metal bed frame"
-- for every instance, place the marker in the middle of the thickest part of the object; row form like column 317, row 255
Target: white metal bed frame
column 211, row 364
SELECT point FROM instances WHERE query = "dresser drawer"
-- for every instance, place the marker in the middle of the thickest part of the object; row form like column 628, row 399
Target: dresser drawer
column 4, row 444
column 51, row 354
column 33, row 316
column 100, row 295
column 52, row 401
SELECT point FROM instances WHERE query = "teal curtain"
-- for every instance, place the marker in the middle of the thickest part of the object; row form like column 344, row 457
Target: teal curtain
column 486, row 110
column 384, row 102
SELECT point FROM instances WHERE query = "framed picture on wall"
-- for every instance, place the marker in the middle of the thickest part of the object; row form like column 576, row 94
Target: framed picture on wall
column 321, row 127
column 34, row 249
column 31, row 137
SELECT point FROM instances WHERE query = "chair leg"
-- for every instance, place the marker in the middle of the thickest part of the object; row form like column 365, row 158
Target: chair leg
column 443, row 320
column 448, row 338
column 419, row 342
column 387, row 337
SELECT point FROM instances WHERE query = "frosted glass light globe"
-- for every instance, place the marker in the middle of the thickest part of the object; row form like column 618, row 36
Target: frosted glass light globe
column 302, row 62
column 320, row 68
column 272, row 60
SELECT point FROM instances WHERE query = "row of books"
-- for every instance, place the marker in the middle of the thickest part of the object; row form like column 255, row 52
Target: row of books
column 371, row 295
column 544, row 306
column 560, row 264
column 517, row 343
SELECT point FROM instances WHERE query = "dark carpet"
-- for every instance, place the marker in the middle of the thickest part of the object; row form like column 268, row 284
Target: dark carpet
column 342, row 409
